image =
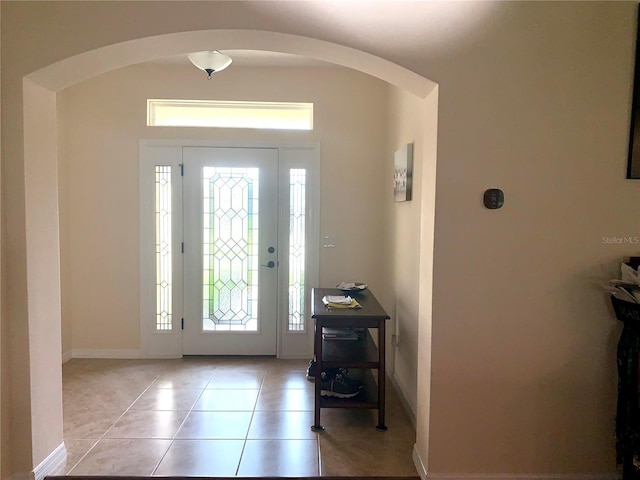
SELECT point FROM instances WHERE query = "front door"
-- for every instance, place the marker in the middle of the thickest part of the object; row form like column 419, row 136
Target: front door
column 230, row 215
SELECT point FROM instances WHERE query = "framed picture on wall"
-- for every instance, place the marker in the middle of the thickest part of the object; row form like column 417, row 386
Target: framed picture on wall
column 403, row 173
column 633, row 162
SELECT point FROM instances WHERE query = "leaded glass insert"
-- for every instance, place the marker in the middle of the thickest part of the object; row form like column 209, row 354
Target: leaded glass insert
column 297, row 209
column 230, row 249
column 164, row 288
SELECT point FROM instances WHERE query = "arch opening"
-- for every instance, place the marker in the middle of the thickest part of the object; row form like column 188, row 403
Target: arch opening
column 40, row 125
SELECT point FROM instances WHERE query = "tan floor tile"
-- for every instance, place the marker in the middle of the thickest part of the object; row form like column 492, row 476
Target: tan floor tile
column 274, row 365
column 109, row 397
column 279, row 458
column 97, row 393
column 122, row 457
column 88, row 423
column 281, row 425
column 201, row 458
column 353, row 424
column 167, row 399
column 223, row 379
column 227, row 400
column 143, row 424
column 289, row 400
column 215, row 425
column 76, row 449
column 242, row 363
column 287, row 379
column 74, row 387
column 366, row 457
column 183, row 379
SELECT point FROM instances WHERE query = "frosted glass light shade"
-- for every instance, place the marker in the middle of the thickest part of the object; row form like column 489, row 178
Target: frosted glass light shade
column 210, row 62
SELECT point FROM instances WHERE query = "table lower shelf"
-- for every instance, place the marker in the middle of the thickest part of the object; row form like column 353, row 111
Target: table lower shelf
column 367, row 398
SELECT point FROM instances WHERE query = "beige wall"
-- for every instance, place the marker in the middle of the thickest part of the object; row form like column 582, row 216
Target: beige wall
column 63, row 203
column 523, row 364
column 43, row 253
column 429, row 141
column 405, row 125
column 410, row 261
column 104, row 118
column 534, row 99
column 17, row 450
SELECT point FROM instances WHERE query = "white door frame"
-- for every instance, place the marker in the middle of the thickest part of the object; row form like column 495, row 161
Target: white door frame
column 155, row 344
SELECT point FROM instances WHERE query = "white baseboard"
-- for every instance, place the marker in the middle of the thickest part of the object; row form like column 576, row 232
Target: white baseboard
column 66, row 356
column 521, row 476
column 99, row 353
column 419, row 464
column 47, row 467
column 135, row 354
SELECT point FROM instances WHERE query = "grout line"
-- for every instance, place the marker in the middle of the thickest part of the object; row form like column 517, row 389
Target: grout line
column 110, row 427
column 173, row 438
column 253, row 413
column 84, row 455
column 319, row 455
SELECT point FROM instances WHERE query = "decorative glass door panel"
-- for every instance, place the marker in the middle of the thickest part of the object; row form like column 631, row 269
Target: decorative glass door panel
column 230, row 231
column 230, row 248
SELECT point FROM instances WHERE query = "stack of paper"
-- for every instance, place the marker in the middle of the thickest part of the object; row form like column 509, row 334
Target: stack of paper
column 341, row 334
column 340, row 301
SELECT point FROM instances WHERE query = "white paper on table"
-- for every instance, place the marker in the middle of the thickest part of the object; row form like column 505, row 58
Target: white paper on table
column 339, row 299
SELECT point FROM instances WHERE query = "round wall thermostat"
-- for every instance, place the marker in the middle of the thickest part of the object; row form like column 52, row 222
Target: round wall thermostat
column 493, row 198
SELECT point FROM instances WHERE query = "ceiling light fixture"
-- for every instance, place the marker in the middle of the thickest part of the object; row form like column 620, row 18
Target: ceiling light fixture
column 211, row 62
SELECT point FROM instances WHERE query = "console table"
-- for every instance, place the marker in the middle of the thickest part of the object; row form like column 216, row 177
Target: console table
column 360, row 354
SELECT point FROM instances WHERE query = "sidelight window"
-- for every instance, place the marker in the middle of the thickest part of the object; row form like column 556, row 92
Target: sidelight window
column 297, row 229
column 164, row 290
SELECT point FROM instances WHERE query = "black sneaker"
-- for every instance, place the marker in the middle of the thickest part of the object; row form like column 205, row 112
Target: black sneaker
column 339, row 386
column 311, row 372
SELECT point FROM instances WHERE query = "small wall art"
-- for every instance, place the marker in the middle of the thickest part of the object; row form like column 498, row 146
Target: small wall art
column 403, row 173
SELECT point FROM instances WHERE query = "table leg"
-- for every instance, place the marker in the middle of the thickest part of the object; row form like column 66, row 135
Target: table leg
column 381, row 376
column 317, row 350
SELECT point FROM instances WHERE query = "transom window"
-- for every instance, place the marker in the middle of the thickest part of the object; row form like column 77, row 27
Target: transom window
column 229, row 114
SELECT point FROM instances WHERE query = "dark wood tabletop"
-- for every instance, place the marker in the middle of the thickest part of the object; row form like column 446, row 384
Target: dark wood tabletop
column 371, row 310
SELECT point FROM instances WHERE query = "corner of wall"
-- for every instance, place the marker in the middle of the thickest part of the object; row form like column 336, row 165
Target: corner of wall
column 409, row 407
column 419, row 464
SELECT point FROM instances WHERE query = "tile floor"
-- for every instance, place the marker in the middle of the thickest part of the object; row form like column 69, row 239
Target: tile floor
column 220, row 416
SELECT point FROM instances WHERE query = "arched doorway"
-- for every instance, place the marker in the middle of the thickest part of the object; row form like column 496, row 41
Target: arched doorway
column 41, row 196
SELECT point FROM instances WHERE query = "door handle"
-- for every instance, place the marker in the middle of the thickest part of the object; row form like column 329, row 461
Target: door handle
column 270, row 264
